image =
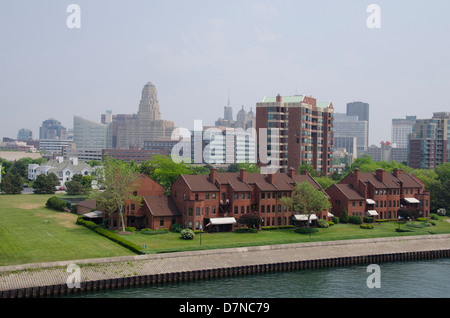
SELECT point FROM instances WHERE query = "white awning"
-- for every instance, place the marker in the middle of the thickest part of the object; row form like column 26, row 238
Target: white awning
column 412, row 200
column 217, row 221
column 304, row 217
column 371, row 212
column 94, row 214
column 330, row 215
column 370, row 201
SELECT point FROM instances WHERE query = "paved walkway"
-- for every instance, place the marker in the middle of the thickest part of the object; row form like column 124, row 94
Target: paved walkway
column 45, row 274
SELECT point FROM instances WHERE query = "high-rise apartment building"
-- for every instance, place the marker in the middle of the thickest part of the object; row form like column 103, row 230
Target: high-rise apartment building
column 401, row 128
column 361, row 110
column 133, row 130
column 299, row 131
column 428, row 143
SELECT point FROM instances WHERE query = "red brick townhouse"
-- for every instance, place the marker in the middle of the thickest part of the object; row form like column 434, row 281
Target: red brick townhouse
column 379, row 194
column 215, row 202
column 155, row 210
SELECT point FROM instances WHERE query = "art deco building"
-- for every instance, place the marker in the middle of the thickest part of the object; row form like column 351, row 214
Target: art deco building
column 134, row 129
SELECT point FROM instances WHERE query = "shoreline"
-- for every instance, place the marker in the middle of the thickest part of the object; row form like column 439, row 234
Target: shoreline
column 51, row 279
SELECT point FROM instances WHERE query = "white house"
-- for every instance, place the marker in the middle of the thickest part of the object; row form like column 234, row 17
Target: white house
column 64, row 169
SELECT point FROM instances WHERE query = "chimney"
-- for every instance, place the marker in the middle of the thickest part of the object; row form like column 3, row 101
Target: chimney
column 305, row 172
column 380, row 174
column 278, row 98
column 271, row 177
column 356, row 176
column 291, row 172
column 213, row 175
column 243, row 175
column 397, row 172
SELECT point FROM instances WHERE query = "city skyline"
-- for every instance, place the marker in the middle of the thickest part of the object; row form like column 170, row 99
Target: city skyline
column 198, row 54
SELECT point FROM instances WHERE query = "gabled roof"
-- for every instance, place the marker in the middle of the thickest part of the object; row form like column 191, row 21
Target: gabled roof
column 348, row 191
column 233, row 179
column 199, row 182
column 161, row 205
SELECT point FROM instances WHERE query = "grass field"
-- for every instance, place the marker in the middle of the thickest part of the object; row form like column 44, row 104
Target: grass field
column 31, row 233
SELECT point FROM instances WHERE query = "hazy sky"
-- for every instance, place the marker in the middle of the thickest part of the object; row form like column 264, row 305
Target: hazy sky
column 195, row 52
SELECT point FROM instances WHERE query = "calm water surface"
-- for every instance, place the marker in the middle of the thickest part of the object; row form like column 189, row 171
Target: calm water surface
column 412, row 279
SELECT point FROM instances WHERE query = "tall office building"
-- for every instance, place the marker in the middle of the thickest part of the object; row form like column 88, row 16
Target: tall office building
column 89, row 134
column 428, row 143
column 133, row 129
column 361, row 110
column 24, row 134
column 401, row 128
column 305, row 132
column 350, row 126
column 52, row 129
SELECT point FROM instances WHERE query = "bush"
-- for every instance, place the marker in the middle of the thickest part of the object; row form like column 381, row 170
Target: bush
column 130, row 229
column 335, row 220
column 355, row 219
column 344, row 218
column 441, row 212
column 56, row 203
column 187, row 234
column 330, row 223
column 322, row 223
column 403, row 230
column 366, row 226
column 177, row 228
column 368, row 219
column 422, row 219
column 434, row 216
column 306, row 230
column 281, row 227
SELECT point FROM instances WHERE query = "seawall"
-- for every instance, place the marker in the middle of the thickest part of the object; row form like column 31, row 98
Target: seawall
column 51, row 279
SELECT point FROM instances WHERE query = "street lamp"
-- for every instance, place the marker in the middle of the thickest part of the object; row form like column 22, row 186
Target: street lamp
column 201, row 229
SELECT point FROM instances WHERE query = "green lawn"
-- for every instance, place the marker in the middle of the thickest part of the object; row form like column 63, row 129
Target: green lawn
column 31, row 233
column 171, row 242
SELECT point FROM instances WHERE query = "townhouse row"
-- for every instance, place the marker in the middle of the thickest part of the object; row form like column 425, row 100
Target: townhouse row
column 215, row 202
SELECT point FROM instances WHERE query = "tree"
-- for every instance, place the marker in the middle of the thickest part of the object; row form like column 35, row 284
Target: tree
column 120, row 181
column 165, row 171
column 12, row 183
column 306, row 200
column 309, row 168
column 44, row 185
column 251, row 220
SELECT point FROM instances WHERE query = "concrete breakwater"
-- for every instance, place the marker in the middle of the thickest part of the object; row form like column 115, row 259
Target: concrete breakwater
column 51, row 279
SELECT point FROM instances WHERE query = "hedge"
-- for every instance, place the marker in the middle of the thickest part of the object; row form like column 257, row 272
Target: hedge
column 281, row 227
column 110, row 235
column 56, row 203
column 154, row 232
column 366, row 226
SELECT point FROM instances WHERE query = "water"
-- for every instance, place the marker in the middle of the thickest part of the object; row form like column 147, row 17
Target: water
column 410, row 279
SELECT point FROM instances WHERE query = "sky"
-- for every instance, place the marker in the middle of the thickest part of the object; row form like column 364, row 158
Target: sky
column 199, row 54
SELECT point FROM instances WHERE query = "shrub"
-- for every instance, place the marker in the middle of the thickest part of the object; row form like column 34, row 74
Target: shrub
column 56, row 203
column 434, row 216
column 441, row 212
column 177, row 228
column 130, row 229
column 368, row 219
column 322, row 223
column 403, row 230
column 187, row 234
column 366, row 226
column 281, row 227
column 355, row 219
column 335, row 220
column 344, row 218
column 422, row 219
column 306, row 230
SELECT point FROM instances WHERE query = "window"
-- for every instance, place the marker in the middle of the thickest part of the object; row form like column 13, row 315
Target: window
column 196, row 197
column 132, row 206
column 213, row 209
column 207, row 196
column 213, row 195
column 236, row 210
column 242, row 209
column 262, row 208
column 236, row 196
column 197, row 211
column 263, row 195
column 242, row 196
column 190, row 211
column 207, row 211
column 161, row 222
